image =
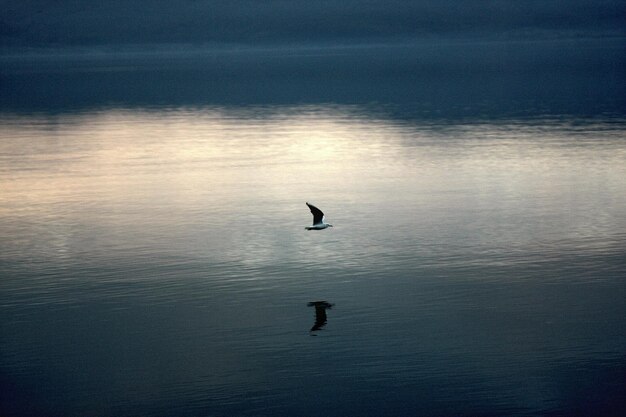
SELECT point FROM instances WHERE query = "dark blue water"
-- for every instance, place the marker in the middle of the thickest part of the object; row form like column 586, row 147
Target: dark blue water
column 153, row 257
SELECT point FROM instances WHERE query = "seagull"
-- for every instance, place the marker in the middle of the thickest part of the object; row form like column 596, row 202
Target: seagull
column 318, row 219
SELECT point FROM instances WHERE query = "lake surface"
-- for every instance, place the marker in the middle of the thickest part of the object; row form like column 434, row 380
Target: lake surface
column 154, row 261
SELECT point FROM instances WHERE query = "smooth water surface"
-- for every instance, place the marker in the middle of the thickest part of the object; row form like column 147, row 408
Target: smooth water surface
column 154, row 261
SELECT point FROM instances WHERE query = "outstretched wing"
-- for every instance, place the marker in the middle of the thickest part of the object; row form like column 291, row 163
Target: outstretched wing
column 317, row 214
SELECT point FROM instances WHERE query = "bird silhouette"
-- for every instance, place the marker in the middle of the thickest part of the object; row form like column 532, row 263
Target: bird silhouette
column 318, row 219
column 320, row 314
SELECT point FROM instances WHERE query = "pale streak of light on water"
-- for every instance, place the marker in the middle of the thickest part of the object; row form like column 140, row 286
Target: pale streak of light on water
column 164, row 251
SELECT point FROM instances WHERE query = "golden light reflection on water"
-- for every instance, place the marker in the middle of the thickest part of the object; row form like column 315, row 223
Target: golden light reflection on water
column 155, row 172
column 212, row 148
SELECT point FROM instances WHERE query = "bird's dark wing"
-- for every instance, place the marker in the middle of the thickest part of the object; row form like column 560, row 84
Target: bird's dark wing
column 317, row 213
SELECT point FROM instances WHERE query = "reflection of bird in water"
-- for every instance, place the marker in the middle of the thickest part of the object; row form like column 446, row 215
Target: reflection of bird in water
column 318, row 219
column 320, row 313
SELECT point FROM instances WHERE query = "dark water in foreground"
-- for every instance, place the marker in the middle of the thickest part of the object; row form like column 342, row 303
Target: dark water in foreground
column 154, row 259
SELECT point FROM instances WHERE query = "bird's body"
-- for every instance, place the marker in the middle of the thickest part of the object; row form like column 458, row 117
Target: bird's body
column 317, row 226
column 318, row 219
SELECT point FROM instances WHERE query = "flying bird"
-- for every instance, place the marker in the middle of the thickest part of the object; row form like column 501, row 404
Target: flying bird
column 318, row 219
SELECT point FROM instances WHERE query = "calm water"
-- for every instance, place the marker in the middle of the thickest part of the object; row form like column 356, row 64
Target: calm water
column 154, row 261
